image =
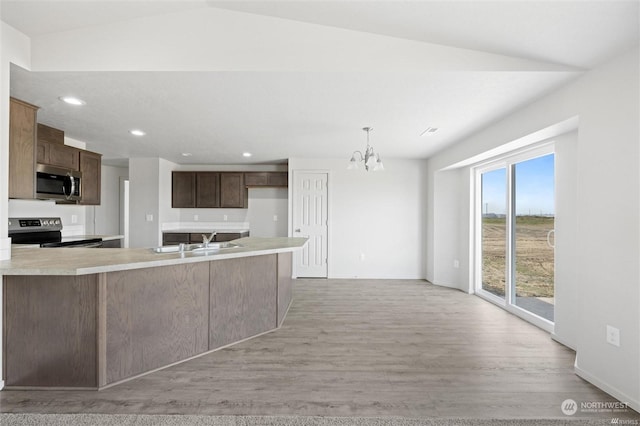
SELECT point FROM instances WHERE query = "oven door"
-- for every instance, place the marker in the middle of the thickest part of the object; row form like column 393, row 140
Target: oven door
column 55, row 183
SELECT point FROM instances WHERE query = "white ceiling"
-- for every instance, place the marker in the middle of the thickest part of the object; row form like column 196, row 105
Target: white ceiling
column 276, row 115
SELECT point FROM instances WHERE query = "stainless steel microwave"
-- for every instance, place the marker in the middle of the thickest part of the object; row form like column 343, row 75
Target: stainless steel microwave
column 56, row 183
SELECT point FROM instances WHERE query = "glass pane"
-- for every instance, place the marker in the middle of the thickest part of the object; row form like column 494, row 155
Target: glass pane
column 534, row 239
column 494, row 231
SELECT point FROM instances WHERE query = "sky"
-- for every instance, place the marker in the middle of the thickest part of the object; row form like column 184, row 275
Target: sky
column 535, row 188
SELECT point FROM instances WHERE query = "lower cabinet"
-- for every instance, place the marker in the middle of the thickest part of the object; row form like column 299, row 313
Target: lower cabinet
column 90, row 331
column 243, row 299
column 175, row 238
column 155, row 317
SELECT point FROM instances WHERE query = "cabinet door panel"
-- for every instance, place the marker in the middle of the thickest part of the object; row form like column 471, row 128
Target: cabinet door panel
column 183, row 189
column 22, row 141
column 42, row 152
column 207, row 189
column 174, row 238
column 233, row 193
column 91, row 167
column 278, row 179
column 64, row 156
column 50, row 135
column 255, row 179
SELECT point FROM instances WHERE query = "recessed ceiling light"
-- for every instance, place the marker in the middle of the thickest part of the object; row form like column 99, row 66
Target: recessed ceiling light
column 72, row 100
column 187, row 154
column 429, row 131
column 246, row 154
column 137, row 132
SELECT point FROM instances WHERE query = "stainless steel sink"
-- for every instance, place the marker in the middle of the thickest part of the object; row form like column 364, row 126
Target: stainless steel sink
column 196, row 248
column 215, row 246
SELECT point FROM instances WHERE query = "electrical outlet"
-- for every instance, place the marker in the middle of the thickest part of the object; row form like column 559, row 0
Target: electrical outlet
column 195, row 217
column 456, row 263
column 362, row 257
column 275, row 217
column 74, row 218
column 149, row 217
column 613, row 336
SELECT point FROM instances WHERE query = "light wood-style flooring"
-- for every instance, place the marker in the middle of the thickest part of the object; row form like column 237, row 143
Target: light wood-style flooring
column 359, row 348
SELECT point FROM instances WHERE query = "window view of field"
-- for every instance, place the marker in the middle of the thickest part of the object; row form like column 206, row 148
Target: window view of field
column 534, row 261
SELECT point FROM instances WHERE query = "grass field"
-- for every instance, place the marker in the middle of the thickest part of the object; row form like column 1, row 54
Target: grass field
column 534, row 257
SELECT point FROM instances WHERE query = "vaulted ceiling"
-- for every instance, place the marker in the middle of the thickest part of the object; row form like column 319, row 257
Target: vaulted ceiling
column 285, row 79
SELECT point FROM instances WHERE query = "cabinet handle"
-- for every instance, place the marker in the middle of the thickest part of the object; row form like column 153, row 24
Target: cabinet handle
column 297, row 230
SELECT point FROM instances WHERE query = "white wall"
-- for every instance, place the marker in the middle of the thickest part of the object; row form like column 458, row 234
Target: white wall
column 376, row 214
column 144, row 178
column 264, row 204
column 105, row 218
column 15, row 48
column 567, row 325
column 599, row 192
column 448, row 207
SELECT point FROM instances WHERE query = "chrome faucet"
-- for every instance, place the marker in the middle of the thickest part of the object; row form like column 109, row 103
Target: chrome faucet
column 206, row 240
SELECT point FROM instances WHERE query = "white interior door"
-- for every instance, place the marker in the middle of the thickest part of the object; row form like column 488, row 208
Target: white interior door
column 310, row 219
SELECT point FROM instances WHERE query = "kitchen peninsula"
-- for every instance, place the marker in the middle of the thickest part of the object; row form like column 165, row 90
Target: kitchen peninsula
column 91, row 318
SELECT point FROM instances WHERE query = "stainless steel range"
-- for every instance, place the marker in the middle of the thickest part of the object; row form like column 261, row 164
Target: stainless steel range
column 46, row 232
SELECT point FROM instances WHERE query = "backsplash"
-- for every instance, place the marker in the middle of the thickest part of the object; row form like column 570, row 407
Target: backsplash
column 73, row 216
column 213, row 226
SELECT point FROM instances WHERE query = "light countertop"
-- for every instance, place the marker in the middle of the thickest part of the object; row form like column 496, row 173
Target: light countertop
column 203, row 231
column 82, row 261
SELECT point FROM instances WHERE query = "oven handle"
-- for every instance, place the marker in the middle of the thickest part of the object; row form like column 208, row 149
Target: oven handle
column 88, row 245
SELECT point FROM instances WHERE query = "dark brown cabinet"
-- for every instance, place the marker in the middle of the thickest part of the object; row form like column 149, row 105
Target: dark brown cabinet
column 233, row 192
column 175, row 238
column 50, row 134
column 258, row 179
column 64, row 156
column 208, row 190
column 22, row 154
column 51, row 149
column 183, row 189
column 91, row 168
column 32, row 143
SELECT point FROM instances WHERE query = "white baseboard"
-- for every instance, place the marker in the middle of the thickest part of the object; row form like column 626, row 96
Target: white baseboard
column 563, row 342
column 616, row 393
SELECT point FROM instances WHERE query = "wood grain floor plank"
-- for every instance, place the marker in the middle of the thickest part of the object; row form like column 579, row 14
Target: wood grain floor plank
column 360, row 348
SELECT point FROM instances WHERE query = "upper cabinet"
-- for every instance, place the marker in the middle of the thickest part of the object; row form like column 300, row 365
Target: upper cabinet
column 183, row 189
column 32, row 143
column 208, row 190
column 258, row 179
column 51, row 149
column 233, row 193
column 91, row 168
column 22, row 154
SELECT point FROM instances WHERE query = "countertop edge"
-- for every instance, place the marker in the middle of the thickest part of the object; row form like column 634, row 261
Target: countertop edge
column 166, row 259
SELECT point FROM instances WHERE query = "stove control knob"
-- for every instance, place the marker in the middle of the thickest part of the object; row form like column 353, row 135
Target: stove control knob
column 57, row 221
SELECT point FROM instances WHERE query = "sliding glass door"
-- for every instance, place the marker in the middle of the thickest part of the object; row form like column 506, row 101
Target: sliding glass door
column 515, row 234
column 494, row 231
column 533, row 285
